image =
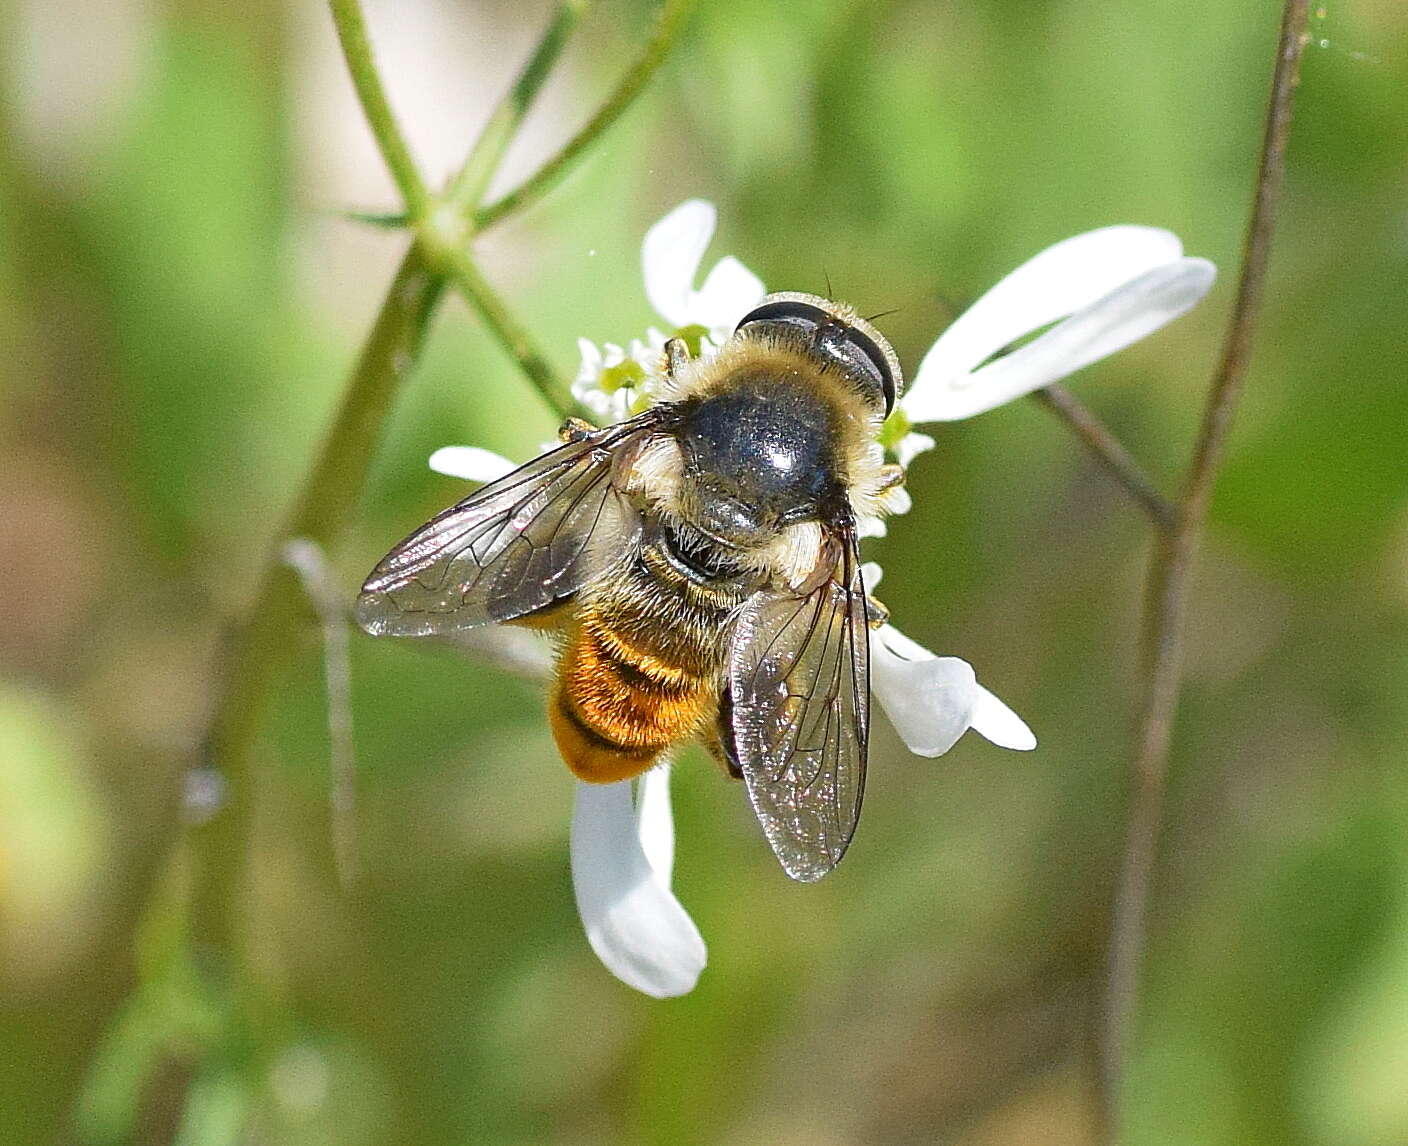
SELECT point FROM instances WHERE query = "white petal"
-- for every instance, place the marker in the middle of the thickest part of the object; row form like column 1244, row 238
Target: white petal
column 911, row 446
column 897, row 500
column 901, row 645
column 998, row 723
column 670, row 258
column 635, row 925
column 655, row 825
column 590, row 368
column 1050, row 285
column 871, row 527
column 597, row 402
column 928, row 699
column 729, row 292
column 870, row 574
column 470, row 463
column 1125, row 315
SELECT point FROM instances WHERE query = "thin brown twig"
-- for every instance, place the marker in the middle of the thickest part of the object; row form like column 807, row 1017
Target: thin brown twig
column 1166, row 603
column 1118, row 461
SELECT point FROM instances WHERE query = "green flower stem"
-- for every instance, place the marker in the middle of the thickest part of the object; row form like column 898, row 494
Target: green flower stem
column 357, row 51
column 514, row 338
column 262, row 646
column 467, row 188
column 669, row 22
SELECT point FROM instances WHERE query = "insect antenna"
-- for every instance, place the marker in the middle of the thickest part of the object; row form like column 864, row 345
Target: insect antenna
column 883, row 313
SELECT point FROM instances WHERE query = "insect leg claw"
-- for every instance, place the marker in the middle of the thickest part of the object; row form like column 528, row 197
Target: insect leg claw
column 879, row 614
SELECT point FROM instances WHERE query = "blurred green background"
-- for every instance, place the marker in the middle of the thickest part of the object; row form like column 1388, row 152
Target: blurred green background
column 180, row 303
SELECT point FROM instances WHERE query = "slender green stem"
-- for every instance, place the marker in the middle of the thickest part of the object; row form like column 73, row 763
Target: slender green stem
column 670, row 21
column 468, row 186
column 508, row 331
column 260, row 647
column 263, row 644
column 357, row 51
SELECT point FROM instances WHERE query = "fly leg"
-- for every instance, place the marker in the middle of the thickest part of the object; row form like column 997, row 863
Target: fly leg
column 719, row 740
column 676, row 357
column 876, row 611
column 574, row 430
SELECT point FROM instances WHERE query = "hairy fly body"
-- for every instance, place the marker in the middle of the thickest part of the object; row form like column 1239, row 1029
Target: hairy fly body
column 700, row 565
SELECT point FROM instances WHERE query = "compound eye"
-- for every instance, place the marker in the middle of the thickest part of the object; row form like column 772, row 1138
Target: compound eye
column 789, row 310
column 833, row 336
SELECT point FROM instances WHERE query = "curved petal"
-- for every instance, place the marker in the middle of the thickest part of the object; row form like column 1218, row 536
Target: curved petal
column 635, row 925
column 928, row 699
column 730, row 290
column 470, row 463
column 590, row 368
column 897, row 501
column 996, row 722
column 1125, row 315
column 911, row 446
column 670, row 258
column 655, row 824
column 1059, row 281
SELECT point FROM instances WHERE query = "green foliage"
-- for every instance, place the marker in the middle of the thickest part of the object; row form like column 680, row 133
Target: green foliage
column 179, row 356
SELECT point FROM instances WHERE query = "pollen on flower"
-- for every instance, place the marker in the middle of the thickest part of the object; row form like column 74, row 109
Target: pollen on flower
column 614, row 382
column 627, row 372
column 894, row 428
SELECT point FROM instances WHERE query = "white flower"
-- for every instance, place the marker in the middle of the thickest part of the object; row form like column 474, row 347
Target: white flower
column 892, row 502
column 1103, row 290
column 470, row 463
column 670, row 258
column 910, row 447
column 614, row 382
column 622, row 858
column 932, row 700
column 1110, row 287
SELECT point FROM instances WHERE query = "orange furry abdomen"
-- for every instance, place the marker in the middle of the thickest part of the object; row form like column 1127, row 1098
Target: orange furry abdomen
column 618, row 706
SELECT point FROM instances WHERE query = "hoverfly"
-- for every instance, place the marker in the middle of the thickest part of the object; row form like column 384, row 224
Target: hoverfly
column 699, row 563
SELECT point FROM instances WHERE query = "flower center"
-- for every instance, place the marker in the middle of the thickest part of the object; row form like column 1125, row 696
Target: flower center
column 626, row 373
column 896, row 426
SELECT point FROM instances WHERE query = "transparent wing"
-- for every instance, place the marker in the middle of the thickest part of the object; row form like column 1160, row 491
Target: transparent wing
column 515, row 546
column 799, row 682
